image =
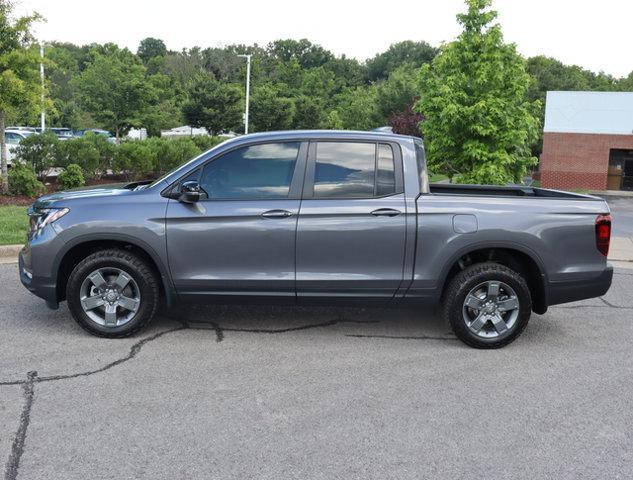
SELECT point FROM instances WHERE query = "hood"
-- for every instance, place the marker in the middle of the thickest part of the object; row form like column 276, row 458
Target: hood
column 85, row 192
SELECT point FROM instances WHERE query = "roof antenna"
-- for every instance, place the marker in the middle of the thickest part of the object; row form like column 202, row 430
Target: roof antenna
column 383, row 129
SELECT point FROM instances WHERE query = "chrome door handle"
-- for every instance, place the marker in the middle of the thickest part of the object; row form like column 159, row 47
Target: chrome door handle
column 277, row 214
column 386, row 212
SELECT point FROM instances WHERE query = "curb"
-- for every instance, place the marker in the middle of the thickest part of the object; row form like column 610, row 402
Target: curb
column 612, row 193
column 10, row 251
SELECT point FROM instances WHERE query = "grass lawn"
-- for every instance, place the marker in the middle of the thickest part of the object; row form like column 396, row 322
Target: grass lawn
column 13, row 225
column 437, row 178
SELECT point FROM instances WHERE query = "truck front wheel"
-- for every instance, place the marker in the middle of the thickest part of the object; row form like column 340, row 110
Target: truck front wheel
column 112, row 293
column 487, row 305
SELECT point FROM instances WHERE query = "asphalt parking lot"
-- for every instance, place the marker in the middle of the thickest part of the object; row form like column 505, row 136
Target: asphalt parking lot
column 622, row 211
column 237, row 392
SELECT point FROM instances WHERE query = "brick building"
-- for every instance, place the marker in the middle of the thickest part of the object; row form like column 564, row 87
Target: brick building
column 588, row 141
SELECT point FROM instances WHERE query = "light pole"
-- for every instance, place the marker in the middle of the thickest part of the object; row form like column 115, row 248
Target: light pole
column 248, row 89
column 43, row 115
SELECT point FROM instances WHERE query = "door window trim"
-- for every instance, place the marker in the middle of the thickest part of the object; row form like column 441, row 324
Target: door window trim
column 310, row 172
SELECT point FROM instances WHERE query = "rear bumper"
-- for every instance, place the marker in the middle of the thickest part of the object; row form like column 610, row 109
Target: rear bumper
column 575, row 290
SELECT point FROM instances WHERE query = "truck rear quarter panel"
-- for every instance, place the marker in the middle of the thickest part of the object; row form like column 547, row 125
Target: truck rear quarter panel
column 559, row 235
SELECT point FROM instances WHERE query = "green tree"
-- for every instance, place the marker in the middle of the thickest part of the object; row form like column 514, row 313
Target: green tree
column 20, row 88
column 400, row 90
column 166, row 112
column 626, row 84
column 305, row 52
column 412, row 54
column 270, row 111
column 213, row 105
column 39, row 152
column 114, row 90
column 357, row 109
column 309, row 113
column 479, row 123
column 151, row 48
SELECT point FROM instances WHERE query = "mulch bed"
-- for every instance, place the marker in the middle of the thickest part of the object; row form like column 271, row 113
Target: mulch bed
column 51, row 186
column 18, row 200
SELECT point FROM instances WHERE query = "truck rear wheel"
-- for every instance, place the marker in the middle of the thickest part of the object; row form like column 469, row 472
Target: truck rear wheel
column 112, row 293
column 487, row 305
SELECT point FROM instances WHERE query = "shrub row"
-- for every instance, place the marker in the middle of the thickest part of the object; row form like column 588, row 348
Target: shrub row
column 87, row 158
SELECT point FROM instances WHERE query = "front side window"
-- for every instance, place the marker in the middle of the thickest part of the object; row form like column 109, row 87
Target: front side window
column 255, row 172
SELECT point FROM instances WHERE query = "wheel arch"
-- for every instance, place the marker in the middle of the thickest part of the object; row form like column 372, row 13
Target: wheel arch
column 83, row 246
column 514, row 256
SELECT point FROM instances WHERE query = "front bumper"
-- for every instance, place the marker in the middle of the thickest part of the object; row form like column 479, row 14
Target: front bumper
column 575, row 290
column 41, row 287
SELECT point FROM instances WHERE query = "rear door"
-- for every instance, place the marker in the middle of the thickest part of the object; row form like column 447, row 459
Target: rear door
column 240, row 239
column 352, row 224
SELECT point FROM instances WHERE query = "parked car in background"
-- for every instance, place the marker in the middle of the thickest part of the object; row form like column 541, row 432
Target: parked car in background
column 62, row 133
column 317, row 217
column 96, row 131
column 13, row 137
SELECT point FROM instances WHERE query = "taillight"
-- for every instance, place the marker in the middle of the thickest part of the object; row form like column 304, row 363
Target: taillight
column 603, row 233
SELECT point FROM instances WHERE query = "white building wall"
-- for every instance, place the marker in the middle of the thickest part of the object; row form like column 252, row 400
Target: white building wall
column 589, row 112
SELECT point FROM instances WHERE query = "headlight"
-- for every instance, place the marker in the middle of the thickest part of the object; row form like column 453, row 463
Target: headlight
column 46, row 216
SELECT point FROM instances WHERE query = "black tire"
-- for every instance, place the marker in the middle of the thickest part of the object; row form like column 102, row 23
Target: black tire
column 469, row 278
column 133, row 265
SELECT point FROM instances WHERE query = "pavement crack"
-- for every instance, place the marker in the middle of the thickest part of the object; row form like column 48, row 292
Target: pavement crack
column 609, row 304
column 134, row 350
column 219, row 332
column 184, row 325
column 19, row 441
column 404, row 337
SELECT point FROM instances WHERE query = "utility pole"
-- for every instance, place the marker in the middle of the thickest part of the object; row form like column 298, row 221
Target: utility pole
column 248, row 89
column 43, row 116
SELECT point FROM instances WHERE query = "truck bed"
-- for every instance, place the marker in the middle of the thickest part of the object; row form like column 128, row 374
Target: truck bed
column 503, row 191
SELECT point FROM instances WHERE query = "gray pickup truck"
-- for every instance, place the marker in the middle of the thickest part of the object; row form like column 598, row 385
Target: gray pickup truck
column 317, row 217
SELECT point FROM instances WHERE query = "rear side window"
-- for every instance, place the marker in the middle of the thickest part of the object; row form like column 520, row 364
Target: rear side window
column 353, row 170
column 256, row 172
column 385, row 172
column 421, row 161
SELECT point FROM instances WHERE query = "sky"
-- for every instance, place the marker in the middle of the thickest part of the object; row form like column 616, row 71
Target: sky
column 595, row 35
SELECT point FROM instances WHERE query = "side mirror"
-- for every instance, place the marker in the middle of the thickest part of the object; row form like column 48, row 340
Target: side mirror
column 189, row 192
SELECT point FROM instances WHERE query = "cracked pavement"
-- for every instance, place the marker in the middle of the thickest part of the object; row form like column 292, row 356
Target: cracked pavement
column 315, row 393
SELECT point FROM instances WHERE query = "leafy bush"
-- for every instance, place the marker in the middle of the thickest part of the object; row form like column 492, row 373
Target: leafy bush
column 71, row 177
column 204, row 142
column 39, row 152
column 23, row 181
column 133, row 159
column 169, row 154
column 95, row 156
column 93, row 153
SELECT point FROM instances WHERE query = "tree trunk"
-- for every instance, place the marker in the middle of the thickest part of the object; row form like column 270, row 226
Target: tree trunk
column 3, row 156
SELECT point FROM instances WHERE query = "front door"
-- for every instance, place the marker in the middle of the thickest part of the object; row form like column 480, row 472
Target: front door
column 239, row 239
column 351, row 230
column 627, row 178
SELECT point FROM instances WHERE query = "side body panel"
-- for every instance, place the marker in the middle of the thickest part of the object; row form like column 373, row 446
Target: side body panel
column 136, row 217
column 346, row 249
column 558, row 234
column 229, row 248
